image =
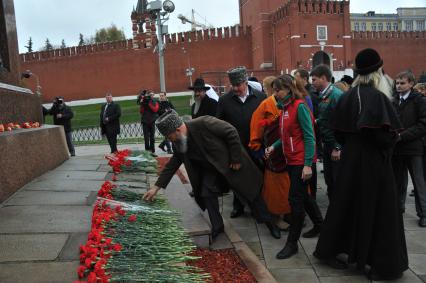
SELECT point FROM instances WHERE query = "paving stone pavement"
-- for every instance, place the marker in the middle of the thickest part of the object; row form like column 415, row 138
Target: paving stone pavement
column 43, row 224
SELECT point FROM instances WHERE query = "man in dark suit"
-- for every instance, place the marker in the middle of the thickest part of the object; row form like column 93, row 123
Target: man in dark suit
column 110, row 121
column 214, row 158
column 236, row 107
column 408, row 153
column 203, row 104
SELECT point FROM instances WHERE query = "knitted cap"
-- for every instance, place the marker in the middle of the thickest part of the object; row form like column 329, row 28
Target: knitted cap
column 168, row 122
column 237, row 75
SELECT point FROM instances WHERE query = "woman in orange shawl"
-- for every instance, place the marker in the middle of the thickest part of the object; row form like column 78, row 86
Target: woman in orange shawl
column 276, row 180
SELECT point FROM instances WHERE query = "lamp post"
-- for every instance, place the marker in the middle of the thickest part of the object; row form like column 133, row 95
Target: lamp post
column 155, row 8
column 189, row 70
column 27, row 74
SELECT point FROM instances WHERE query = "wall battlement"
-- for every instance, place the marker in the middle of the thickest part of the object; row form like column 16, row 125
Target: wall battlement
column 395, row 35
column 222, row 33
column 312, row 7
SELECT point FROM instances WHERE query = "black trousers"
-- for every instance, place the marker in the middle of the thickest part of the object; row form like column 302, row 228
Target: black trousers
column 330, row 170
column 149, row 136
column 166, row 143
column 313, row 182
column 68, row 136
column 112, row 140
column 402, row 164
column 210, row 194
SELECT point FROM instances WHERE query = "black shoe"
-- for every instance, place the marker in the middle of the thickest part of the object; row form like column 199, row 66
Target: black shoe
column 374, row 276
column 315, row 231
column 336, row 264
column 412, row 193
column 289, row 249
column 237, row 213
column 216, row 232
column 422, row 222
column 73, row 154
column 170, row 151
column 274, row 229
column 191, row 194
column 162, row 147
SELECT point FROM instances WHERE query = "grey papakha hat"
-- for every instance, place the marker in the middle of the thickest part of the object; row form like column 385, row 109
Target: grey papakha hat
column 237, row 75
column 168, row 122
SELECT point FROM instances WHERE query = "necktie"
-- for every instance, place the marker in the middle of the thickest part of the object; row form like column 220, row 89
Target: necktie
column 401, row 100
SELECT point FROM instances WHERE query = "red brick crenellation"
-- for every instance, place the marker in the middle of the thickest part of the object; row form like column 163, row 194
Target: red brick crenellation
column 175, row 38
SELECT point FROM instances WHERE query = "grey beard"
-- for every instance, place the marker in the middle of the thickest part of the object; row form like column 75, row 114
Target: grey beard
column 182, row 144
column 197, row 104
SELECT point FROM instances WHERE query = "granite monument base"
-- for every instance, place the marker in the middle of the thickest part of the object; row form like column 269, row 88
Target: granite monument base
column 28, row 153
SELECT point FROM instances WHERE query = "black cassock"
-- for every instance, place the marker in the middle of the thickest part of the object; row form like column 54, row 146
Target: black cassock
column 363, row 220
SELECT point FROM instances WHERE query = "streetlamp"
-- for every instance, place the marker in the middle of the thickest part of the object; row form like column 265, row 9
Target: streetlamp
column 27, row 74
column 155, row 8
column 189, row 70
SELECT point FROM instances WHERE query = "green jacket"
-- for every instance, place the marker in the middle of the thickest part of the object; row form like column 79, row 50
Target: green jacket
column 327, row 102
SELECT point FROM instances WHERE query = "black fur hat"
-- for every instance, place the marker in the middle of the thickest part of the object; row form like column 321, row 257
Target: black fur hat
column 367, row 61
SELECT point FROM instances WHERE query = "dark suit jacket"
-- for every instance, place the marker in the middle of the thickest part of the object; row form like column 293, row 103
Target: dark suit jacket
column 208, row 107
column 220, row 145
column 113, row 113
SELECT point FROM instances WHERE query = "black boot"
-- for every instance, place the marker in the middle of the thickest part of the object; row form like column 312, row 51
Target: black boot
column 291, row 246
column 274, row 229
column 289, row 249
column 314, row 213
column 315, row 231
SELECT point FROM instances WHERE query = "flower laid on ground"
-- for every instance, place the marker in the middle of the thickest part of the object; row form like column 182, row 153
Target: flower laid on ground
column 14, row 126
column 134, row 241
column 132, row 161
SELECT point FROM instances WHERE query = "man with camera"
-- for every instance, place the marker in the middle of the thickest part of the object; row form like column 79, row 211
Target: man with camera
column 62, row 115
column 149, row 113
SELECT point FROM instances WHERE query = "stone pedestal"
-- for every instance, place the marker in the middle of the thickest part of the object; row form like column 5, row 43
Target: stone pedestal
column 27, row 154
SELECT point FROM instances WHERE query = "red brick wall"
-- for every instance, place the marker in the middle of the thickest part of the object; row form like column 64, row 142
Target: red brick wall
column 90, row 71
column 399, row 50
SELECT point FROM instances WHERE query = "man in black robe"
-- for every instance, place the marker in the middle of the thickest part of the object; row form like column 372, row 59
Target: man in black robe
column 364, row 220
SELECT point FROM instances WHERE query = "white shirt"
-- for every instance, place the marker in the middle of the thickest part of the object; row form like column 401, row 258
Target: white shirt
column 404, row 97
column 243, row 98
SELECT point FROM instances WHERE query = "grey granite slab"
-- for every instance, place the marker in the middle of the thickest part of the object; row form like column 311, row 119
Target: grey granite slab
column 71, row 249
column 31, row 247
column 39, row 272
column 45, row 219
column 306, row 275
column 64, row 185
column 417, row 263
column 73, row 175
column 48, row 198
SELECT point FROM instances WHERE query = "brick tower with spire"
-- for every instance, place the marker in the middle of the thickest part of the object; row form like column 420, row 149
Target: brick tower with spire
column 143, row 26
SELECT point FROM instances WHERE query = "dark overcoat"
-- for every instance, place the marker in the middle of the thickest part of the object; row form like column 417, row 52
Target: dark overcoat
column 231, row 109
column 219, row 143
column 412, row 113
column 208, row 106
column 113, row 113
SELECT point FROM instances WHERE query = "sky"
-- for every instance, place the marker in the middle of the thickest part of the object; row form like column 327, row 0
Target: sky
column 59, row 19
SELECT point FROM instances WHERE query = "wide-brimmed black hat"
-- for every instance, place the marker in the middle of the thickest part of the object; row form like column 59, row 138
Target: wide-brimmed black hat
column 199, row 84
column 367, row 61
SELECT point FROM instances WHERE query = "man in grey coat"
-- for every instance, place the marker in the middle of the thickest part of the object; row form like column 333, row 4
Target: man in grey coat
column 214, row 158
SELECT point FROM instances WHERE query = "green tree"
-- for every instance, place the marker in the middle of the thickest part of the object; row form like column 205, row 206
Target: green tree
column 111, row 33
column 81, row 41
column 30, row 45
column 48, row 45
column 63, row 45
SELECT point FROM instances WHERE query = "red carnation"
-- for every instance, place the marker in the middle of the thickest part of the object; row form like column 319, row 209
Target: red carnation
column 81, row 270
column 132, row 218
column 116, row 247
